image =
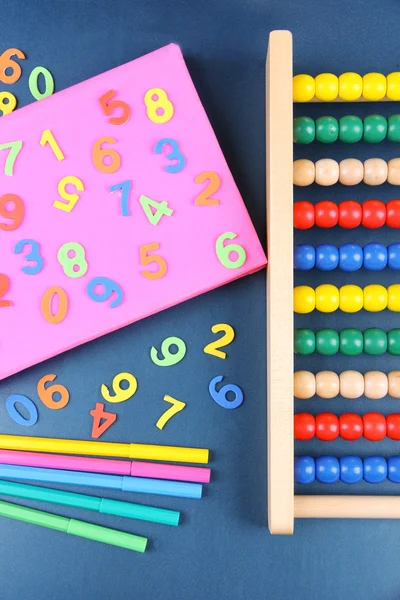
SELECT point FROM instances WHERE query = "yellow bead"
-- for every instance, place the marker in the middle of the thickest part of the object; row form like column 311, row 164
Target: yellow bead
column 374, row 86
column 375, row 298
column 303, row 299
column 350, row 86
column 327, row 298
column 303, row 88
column 351, row 298
column 326, row 87
column 393, row 86
column 393, row 297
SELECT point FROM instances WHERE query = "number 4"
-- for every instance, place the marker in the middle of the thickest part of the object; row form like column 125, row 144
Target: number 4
column 15, row 148
column 161, row 208
column 177, row 406
column 99, row 415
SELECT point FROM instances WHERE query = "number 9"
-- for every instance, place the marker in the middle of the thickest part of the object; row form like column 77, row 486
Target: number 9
column 120, row 394
column 109, row 287
column 170, row 358
column 46, row 394
column 220, row 396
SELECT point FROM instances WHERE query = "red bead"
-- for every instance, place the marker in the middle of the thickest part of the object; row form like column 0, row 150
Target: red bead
column 393, row 426
column 350, row 214
column 326, row 214
column 374, row 426
column 350, row 426
column 304, row 426
column 303, row 215
column 393, row 214
column 374, row 214
column 326, row 426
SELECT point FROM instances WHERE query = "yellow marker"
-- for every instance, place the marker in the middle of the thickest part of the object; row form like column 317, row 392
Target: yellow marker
column 138, row 451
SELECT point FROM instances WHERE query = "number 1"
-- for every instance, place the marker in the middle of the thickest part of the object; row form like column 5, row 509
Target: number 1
column 15, row 148
column 177, row 406
column 48, row 138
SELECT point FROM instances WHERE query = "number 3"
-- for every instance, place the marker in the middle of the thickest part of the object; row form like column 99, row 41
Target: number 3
column 175, row 154
column 32, row 256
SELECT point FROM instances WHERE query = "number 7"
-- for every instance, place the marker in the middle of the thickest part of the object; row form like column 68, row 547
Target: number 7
column 177, row 406
column 15, row 148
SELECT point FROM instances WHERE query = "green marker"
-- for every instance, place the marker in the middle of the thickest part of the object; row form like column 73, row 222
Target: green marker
column 74, row 527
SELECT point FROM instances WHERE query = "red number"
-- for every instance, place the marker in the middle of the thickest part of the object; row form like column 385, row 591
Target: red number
column 17, row 214
column 99, row 415
column 109, row 105
column 4, row 287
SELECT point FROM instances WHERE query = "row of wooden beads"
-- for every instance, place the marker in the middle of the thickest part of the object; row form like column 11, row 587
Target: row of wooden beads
column 350, row 342
column 349, row 469
column 327, row 426
column 348, row 129
column 327, row 87
column 348, row 214
column 350, row 171
column 349, row 298
column 349, row 384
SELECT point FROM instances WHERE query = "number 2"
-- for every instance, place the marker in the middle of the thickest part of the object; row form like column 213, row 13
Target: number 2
column 32, row 256
column 204, row 198
column 71, row 199
column 15, row 149
column 175, row 154
column 4, row 287
column 177, row 406
column 225, row 340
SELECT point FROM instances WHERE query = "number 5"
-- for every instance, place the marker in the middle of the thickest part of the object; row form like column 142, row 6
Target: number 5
column 145, row 260
column 109, row 105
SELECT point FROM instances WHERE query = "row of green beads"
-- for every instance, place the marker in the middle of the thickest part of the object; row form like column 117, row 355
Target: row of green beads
column 350, row 342
column 349, row 129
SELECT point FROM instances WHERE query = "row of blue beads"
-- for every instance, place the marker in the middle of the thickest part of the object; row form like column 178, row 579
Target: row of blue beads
column 349, row 469
column 349, row 257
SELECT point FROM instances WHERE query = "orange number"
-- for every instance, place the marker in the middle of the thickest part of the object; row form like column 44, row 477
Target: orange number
column 4, row 287
column 109, row 105
column 99, row 154
column 7, row 63
column 146, row 259
column 98, row 415
column 46, row 394
column 62, row 305
column 17, row 214
column 204, row 199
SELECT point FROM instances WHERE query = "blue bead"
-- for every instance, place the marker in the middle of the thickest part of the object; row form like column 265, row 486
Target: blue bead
column 304, row 469
column 394, row 256
column 351, row 469
column 394, row 469
column 304, row 257
column 375, row 469
column 375, row 256
column 327, row 469
column 350, row 257
column 326, row 257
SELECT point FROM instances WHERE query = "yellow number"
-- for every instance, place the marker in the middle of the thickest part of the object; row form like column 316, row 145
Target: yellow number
column 8, row 102
column 48, row 138
column 157, row 100
column 71, row 199
column 227, row 338
column 120, row 394
column 177, row 406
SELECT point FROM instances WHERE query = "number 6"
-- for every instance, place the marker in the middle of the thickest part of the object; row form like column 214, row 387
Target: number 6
column 220, row 396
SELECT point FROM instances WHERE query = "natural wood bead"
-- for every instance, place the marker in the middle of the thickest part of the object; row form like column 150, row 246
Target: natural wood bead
column 375, row 171
column 326, row 172
column 351, row 171
column 327, row 384
column 351, row 384
column 304, row 384
column 303, row 172
column 394, row 171
column 394, row 384
column 375, row 385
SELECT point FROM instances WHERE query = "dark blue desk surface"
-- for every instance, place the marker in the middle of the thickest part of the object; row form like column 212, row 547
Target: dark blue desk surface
column 223, row 549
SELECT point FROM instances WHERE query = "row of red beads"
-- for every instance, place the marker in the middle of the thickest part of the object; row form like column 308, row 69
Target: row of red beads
column 327, row 427
column 348, row 214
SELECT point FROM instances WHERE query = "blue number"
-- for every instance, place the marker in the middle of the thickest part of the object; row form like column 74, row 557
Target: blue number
column 220, row 396
column 175, row 154
column 109, row 287
column 28, row 404
column 125, row 187
column 33, row 256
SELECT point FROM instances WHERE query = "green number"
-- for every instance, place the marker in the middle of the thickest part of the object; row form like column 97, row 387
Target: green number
column 169, row 357
column 34, row 83
column 15, row 148
column 161, row 208
column 223, row 252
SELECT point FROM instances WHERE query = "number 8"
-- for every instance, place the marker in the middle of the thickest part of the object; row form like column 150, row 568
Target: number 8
column 157, row 99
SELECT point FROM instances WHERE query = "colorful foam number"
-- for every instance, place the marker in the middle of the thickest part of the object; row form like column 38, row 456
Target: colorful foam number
column 147, row 259
column 175, row 154
column 46, row 393
column 224, row 251
column 109, row 105
column 120, row 394
column 69, row 263
column 205, row 197
column 14, row 149
column 102, row 420
column 27, row 404
column 4, row 287
column 32, row 256
column 70, row 197
column 16, row 215
column 228, row 337
column 8, row 103
column 220, row 396
column 160, row 209
column 47, row 302
column 177, row 406
column 7, row 64
column 33, row 83
column 110, row 287
column 123, row 190
column 100, row 155
column 169, row 358
column 48, row 138
column 159, row 107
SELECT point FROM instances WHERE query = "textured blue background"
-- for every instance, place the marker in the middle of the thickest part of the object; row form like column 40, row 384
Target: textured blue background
column 223, row 549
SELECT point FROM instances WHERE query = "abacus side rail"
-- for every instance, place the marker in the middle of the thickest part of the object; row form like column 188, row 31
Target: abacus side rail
column 346, row 507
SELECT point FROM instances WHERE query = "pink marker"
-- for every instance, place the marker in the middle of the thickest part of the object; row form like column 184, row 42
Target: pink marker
column 106, row 465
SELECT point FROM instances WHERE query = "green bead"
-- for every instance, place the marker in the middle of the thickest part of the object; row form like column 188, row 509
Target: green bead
column 375, row 128
column 303, row 130
column 326, row 130
column 375, row 341
column 393, row 133
column 393, row 338
column 304, row 341
column 351, row 342
column 350, row 129
column 327, row 342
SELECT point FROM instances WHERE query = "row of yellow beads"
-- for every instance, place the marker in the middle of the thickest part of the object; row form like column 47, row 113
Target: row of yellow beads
column 349, row 87
column 349, row 298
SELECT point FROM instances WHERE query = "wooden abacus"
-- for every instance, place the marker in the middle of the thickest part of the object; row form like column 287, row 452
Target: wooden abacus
column 282, row 173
